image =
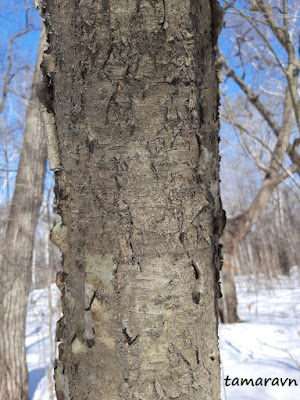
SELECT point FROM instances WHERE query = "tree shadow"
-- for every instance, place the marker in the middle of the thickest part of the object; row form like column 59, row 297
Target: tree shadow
column 34, row 378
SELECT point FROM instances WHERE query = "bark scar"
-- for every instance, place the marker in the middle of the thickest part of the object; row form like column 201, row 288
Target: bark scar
column 129, row 339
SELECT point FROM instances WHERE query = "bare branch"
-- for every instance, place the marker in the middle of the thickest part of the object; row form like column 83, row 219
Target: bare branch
column 253, row 97
column 8, row 75
column 279, row 32
column 282, row 34
column 283, row 136
column 234, row 122
column 293, row 153
column 263, row 37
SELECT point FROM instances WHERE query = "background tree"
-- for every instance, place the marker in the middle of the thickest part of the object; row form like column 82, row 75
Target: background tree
column 15, row 73
column 135, row 103
column 260, row 57
column 16, row 253
column 272, row 247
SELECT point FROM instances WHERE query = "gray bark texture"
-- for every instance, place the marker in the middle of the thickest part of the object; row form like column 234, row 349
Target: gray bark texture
column 135, row 99
column 16, row 253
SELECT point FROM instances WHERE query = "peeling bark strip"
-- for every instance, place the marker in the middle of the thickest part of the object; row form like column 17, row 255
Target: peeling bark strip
column 51, row 137
column 135, row 99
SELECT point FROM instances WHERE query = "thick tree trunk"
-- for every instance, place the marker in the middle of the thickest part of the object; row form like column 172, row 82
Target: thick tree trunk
column 136, row 108
column 16, row 257
column 228, row 302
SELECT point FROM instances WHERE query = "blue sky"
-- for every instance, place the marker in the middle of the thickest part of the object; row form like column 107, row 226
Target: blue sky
column 13, row 20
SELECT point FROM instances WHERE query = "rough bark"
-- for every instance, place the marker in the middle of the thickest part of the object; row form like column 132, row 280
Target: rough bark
column 16, row 255
column 136, row 108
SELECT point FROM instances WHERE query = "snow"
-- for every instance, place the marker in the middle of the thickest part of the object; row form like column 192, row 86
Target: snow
column 38, row 340
column 265, row 345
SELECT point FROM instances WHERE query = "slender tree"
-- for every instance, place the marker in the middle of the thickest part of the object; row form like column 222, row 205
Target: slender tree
column 16, row 257
column 131, row 88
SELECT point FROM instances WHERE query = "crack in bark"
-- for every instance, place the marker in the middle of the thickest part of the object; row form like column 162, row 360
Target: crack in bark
column 129, row 339
column 181, row 237
column 140, row 267
column 91, row 302
column 159, row 390
column 164, row 23
column 197, row 356
column 90, row 343
column 196, row 270
column 74, row 337
column 185, row 360
column 112, row 101
column 109, row 52
column 153, row 169
column 196, row 297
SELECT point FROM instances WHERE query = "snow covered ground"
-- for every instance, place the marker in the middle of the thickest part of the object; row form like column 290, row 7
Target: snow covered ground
column 38, row 345
column 266, row 345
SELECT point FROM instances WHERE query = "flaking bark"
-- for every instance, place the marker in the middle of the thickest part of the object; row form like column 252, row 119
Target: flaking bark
column 135, row 99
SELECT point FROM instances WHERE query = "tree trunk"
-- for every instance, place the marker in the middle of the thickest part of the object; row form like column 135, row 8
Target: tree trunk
column 137, row 189
column 236, row 229
column 16, row 257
